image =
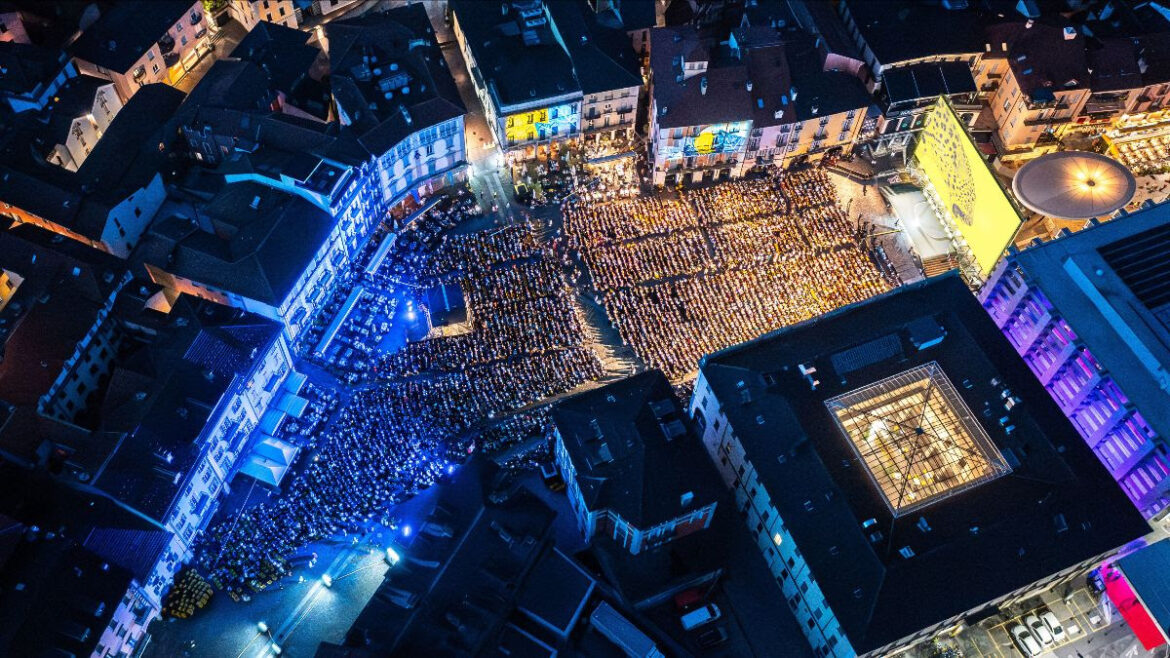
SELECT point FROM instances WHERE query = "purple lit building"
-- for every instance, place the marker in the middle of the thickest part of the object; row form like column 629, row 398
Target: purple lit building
column 1090, row 314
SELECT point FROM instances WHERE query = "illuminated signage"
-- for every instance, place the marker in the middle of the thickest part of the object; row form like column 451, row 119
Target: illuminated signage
column 716, row 138
column 972, row 199
column 556, row 121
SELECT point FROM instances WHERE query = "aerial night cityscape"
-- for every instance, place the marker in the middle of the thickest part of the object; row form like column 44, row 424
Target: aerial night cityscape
column 585, row 328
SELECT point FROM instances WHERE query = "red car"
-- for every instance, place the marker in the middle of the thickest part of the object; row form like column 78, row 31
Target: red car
column 687, row 599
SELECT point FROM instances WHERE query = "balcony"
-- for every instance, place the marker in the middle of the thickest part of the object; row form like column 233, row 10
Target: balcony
column 1048, row 121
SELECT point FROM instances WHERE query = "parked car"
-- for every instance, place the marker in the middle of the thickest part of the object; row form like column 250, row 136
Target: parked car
column 700, row 616
column 1024, row 641
column 1038, row 628
column 712, row 637
column 1053, row 625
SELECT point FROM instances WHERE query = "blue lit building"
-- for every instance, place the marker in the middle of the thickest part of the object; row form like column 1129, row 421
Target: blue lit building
column 1090, row 314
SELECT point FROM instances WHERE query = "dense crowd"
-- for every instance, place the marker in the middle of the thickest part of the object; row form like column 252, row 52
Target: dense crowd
column 679, row 277
column 685, row 276
column 421, row 409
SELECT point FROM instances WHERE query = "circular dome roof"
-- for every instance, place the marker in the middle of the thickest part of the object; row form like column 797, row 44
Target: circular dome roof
column 1074, row 185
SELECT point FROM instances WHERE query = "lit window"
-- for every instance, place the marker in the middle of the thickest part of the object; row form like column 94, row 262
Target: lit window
column 777, row 539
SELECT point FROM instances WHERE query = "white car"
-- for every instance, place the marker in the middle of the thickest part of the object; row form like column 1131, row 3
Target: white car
column 1038, row 628
column 700, row 616
column 1053, row 625
column 1024, row 641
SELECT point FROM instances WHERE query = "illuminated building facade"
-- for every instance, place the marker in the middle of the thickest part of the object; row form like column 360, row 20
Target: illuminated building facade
column 250, row 12
column 621, row 450
column 394, row 93
column 134, row 45
column 547, row 73
column 765, row 99
column 886, row 450
column 1045, row 84
column 1086, row 314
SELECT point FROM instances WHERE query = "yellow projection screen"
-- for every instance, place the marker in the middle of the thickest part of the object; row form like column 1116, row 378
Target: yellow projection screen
column 975, row 203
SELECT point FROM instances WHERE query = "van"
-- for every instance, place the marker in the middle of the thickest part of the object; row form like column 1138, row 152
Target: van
column 699, row 616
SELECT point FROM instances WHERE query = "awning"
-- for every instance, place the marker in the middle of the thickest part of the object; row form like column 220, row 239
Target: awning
column 264, row 471
column 295, row 382
column 271, row 420
column 275, row 450
column 292, row 405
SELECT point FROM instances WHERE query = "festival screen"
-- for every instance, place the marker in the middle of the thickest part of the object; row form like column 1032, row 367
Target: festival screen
column 974, row 202
column 559, row 120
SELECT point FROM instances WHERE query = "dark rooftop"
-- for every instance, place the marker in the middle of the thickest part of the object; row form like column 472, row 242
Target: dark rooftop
column 57, row 298
column 56, row 597
column 885, row 576
column 786, row 70
column 263, row 240
column 126, row 158
column 163, row 388
column 489, row 549
column 284, row 53
column 927, row 81
column 125, row 32
column 26, row 66
column 901, row 30
column 518, row 57
column 1045, row 55
column 389, row 76
column 634, row 450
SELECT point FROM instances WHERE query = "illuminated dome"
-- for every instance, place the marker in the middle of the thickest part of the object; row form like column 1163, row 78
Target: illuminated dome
column 1074, row 185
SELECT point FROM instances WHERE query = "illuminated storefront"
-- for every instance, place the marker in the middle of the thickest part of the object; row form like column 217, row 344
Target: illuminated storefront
column 543, row 124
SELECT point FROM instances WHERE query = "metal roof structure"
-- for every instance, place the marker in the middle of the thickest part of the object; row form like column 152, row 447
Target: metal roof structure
column 917, row 438
column 1074, row 185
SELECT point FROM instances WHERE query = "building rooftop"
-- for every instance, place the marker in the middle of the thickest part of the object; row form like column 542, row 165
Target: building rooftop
column 1074, row 185
column 57, row 297
column 903, row 30
column 1045, row 55
column 259, row 243
column 518, row 57
column 634, row 450
column 786, row 70
column 1025, row 500
column 27, row 67
column 909, row 84
column 129, row 154
column 284, row 53
column 1109, row 283
column 56, row 597
column 497, row 571
column 164, row 386
column 1113, row 65
column 602, row 57
column 389, row 76
column 124, row 33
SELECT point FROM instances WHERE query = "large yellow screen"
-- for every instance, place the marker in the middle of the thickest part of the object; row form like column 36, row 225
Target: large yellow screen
column 975, row 203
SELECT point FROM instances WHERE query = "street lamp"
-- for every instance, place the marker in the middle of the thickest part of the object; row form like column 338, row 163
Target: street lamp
column 262, row 627
column 327, row 580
